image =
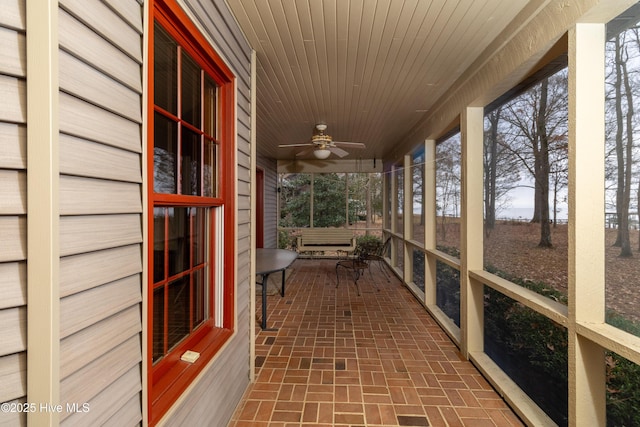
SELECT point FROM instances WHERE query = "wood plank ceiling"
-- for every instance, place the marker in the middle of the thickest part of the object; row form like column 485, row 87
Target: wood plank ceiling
column 369, row 69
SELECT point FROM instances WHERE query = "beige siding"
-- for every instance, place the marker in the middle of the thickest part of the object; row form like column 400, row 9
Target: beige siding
column 86, row 82
column 88, row 270
column 13, row 192
column 82, row 42
column 85, row 196
column 13, row 370
column 128, row 415
column 126, row 400
column 87, row 158
column 104, row 21
column 85, row 120
column 13, row 235
column 13, row 14
column 13, row 284
column 13, row 107
column 13, row 143
column 86, row 345
column 270, row 201
column 100, row 118
column 12, row 48
column 88, row 308
column 12, row 320
column 93, row 381
column 95, row 232
column 13, row 206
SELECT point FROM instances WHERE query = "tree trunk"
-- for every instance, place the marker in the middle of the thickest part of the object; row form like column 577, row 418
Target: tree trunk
column 542, row 161
column 491, row 172
column 619, row 142
column 625, row 247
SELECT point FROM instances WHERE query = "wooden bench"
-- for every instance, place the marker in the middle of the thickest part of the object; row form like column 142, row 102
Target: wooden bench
column 326, row 239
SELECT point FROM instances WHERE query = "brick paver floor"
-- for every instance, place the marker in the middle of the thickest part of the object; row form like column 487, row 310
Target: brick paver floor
column 334, row 358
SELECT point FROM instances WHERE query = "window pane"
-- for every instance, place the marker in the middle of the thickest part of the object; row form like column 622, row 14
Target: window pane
column 448, row 291
column 329, row 199
column 165, row 71
column 210, row 107
column 159, row 270
column 179, row 240
column 191, row 92
column 623, row 399
column 622, row 190
column 399, row 173
column 531, row 349
column 400, row 256
column 417, row 184
column 199, row 297
column 178, row 312
column 525, row 188
column 418, row 269
column 365, row 211
column 295, row 200
column 388, row 197
column 158, row 323
column 165, row 151
column 448, row 194
column 199, row 235
column 191, row 162
column 210, row 169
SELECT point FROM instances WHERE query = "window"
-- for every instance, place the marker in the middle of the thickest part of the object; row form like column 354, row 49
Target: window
column 191, row 198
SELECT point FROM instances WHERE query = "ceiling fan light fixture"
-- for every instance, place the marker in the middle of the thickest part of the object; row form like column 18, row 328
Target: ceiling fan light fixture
column 321, row 153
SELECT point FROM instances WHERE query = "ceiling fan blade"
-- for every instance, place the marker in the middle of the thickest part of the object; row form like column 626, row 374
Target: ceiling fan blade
column 337, row 151
column 306, row 150
column 296, row 145
column 349, row 144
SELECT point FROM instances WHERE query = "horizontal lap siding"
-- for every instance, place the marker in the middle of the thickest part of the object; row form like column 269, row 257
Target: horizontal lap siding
column 212, row 400
column 101, row 210
column 270, row 201
column 13, row 205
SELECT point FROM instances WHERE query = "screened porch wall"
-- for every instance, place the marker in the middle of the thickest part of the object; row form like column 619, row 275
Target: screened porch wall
column 583, row 319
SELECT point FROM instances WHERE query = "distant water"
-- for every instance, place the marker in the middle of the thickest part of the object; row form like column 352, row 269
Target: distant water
column 525, row 214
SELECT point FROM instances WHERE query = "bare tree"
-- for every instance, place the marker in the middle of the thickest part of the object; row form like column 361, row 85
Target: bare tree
column 541, row 167
column 538, row 120
column 623, row 146
column 448, row 179
column 501, row 171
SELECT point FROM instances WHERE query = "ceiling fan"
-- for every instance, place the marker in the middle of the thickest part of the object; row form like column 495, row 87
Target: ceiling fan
column 322, row 145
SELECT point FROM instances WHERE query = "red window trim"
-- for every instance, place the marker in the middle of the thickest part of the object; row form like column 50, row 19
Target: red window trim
column 168, row 382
